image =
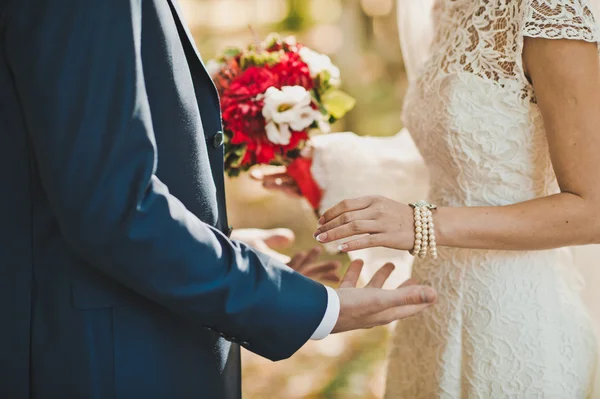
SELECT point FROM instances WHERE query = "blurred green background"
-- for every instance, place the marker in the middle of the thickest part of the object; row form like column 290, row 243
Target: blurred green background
column 361, row 36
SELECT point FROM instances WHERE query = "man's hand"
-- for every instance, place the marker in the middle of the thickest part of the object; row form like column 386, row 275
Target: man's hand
column 266, row 241
column 306, row 263
column 373, row 306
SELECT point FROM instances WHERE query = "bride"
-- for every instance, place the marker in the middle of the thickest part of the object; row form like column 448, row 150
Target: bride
column 507, row 123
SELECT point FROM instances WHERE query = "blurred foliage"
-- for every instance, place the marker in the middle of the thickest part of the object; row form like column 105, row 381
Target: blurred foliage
column 361, row 37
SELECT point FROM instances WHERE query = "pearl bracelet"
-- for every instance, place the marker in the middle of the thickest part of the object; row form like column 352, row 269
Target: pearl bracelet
column 424, row 230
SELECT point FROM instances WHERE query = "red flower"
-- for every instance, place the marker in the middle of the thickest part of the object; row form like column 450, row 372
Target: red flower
column 252, row 82
column 244, row 120
column 292, row 71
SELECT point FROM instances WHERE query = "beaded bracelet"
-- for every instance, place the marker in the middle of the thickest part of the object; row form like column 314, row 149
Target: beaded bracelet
column 424, row 230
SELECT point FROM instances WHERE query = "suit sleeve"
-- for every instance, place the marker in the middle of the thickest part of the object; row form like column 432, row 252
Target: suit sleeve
column 78, row 72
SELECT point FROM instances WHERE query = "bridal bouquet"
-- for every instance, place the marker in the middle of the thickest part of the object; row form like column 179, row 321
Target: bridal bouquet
column 273, row 95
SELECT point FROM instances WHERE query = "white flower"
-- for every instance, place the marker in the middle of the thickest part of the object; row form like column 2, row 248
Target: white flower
column 318, row 63
column 285, row 110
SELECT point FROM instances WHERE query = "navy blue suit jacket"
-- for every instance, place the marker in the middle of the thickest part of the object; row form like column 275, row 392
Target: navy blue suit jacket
column 117, row 279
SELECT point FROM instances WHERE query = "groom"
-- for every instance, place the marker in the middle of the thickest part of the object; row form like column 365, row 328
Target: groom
column 117, row 277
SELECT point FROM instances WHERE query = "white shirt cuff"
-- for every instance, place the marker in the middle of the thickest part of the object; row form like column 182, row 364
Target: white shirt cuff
column 332, row 313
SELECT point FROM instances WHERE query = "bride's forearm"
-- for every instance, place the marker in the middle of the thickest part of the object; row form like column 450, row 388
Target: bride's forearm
column 559, row 220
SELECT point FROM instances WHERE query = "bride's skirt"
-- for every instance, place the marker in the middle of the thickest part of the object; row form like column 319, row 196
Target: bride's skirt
column 506, row 325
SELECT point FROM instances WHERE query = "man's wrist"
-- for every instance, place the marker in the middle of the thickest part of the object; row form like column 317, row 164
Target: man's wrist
column 330, row 318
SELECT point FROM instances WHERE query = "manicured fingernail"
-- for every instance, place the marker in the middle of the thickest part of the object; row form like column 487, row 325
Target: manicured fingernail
column 322, row 237
column 317, row 233
column 321, row 220
column 428, row 296
column 343, row 247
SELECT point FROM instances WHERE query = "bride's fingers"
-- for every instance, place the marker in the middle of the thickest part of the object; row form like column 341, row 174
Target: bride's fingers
column 369, row 241
column 281, row 182
column 344, row 207
column 350, row 279
column 381, row 276
column 351, row 229
column 260, row 173
column 276, row 180
column 346, row 218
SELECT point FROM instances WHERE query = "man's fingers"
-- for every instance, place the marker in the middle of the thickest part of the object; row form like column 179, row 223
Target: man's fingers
column 381, row 276
column 413, row 295
column 297, row 260
column 279, row 238
column 404, row 302
column 311, row 257
column 350, row 279
column 332, row 278
column 409, row 282
column 404, row 296
column 321, row 268
column 401, row 312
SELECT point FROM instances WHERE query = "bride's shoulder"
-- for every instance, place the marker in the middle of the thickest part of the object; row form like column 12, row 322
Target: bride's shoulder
column 561, row 19
column 549, row 19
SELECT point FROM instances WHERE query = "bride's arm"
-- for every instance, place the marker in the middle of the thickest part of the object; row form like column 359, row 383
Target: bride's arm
column 566, row 79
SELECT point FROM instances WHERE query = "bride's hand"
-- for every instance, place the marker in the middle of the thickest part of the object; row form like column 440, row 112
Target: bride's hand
column 277, row 179
column 380, row 221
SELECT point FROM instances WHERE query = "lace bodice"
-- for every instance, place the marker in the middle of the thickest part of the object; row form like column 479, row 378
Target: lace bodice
column 471, row 109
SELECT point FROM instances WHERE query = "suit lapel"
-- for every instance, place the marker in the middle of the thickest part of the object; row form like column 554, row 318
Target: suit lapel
column 181, row 22
column 187, row 39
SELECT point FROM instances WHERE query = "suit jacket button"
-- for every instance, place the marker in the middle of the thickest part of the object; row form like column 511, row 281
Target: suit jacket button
column 229, row 231
column 218, row 139
column 245, row 344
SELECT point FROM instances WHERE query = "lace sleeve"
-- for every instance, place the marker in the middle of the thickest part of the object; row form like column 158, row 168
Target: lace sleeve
column 561, row 19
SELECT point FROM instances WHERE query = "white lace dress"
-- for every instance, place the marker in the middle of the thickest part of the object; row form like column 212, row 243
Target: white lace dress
column 506, row 324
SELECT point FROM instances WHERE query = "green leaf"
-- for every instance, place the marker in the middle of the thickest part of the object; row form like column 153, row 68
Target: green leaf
column 337, row 103
column 232, row 52
column 234, row 154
